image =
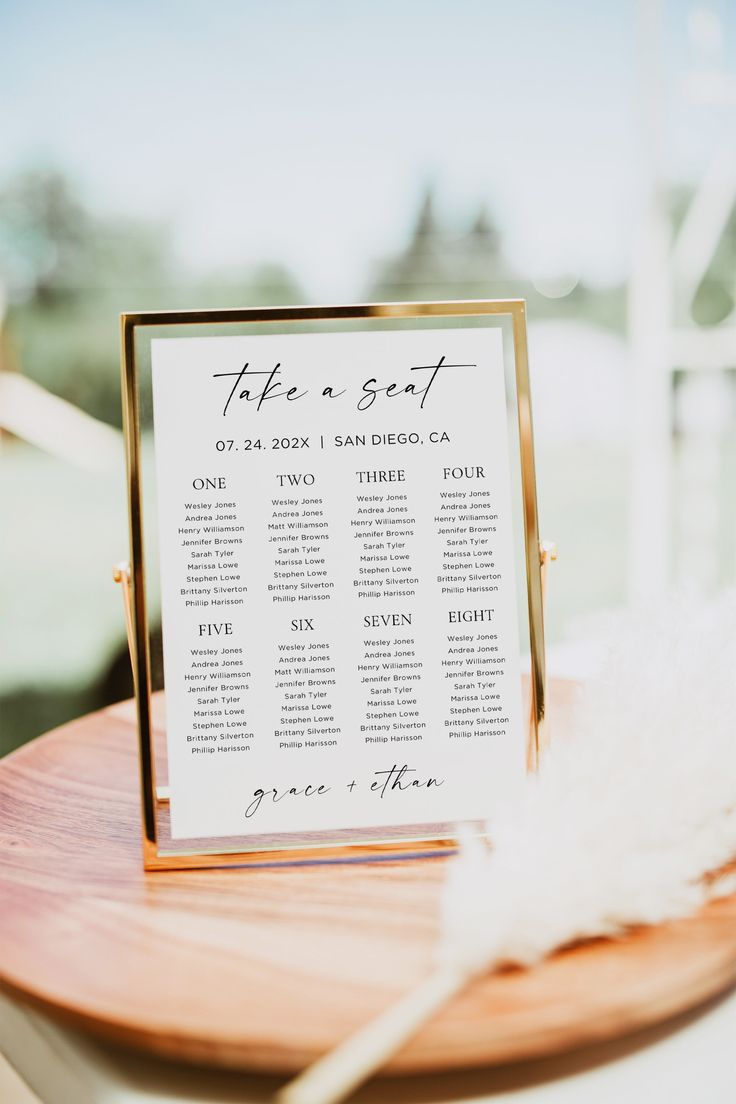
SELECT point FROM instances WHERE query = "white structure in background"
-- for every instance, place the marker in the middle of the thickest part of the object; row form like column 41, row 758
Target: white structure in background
column 666, row 275
column 58, row 427
column 579, row 376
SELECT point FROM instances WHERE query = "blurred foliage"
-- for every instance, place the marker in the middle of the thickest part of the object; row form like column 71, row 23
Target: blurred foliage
column 45, row 237
column 68, row 273
column 440, row 262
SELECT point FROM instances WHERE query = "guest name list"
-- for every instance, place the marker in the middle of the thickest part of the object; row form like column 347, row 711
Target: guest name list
column 338, row 596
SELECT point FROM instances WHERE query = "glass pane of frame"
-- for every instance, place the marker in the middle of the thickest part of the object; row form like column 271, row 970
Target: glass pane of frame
column 506, row 322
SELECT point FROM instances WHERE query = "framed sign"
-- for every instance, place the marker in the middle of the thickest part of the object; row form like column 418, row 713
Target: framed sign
column 340, row 523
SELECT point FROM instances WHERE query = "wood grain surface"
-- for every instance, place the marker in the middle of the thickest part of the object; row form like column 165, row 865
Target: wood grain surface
column 267, row 968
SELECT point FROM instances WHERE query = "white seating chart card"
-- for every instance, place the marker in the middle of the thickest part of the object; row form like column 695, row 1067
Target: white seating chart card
column 338, row 597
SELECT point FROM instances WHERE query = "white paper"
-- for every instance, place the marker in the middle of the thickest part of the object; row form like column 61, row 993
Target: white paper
column 338, row 596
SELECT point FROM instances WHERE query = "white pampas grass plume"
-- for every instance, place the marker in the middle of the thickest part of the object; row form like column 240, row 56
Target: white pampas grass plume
column 634, row 805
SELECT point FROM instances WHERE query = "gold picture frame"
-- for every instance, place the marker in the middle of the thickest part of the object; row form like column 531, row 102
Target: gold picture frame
column 133, row 574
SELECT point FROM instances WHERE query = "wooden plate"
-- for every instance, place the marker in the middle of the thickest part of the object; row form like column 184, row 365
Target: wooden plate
column 267, row 968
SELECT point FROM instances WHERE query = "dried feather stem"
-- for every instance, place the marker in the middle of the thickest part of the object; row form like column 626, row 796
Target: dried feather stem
column 333, row 1078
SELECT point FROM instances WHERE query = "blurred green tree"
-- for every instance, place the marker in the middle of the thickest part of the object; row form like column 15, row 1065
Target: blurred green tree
column 65, row 272
column 68, row 272
column 441, row 262
column 45, row 237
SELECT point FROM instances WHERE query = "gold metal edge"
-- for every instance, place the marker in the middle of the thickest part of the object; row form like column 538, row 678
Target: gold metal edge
column 166, row 860
column 140, row 639
column 531, row 534
column 437, row 308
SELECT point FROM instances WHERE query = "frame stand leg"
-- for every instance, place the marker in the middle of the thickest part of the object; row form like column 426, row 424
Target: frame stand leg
column 121, row 575
column 539, row 738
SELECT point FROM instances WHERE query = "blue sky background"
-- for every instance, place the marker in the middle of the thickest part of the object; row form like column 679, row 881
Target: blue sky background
column 305, row 131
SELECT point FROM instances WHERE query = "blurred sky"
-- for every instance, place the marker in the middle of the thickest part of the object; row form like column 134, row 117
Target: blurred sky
column 305, row 131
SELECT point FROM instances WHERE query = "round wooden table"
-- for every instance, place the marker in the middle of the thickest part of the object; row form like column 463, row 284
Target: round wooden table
column 266, row 968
